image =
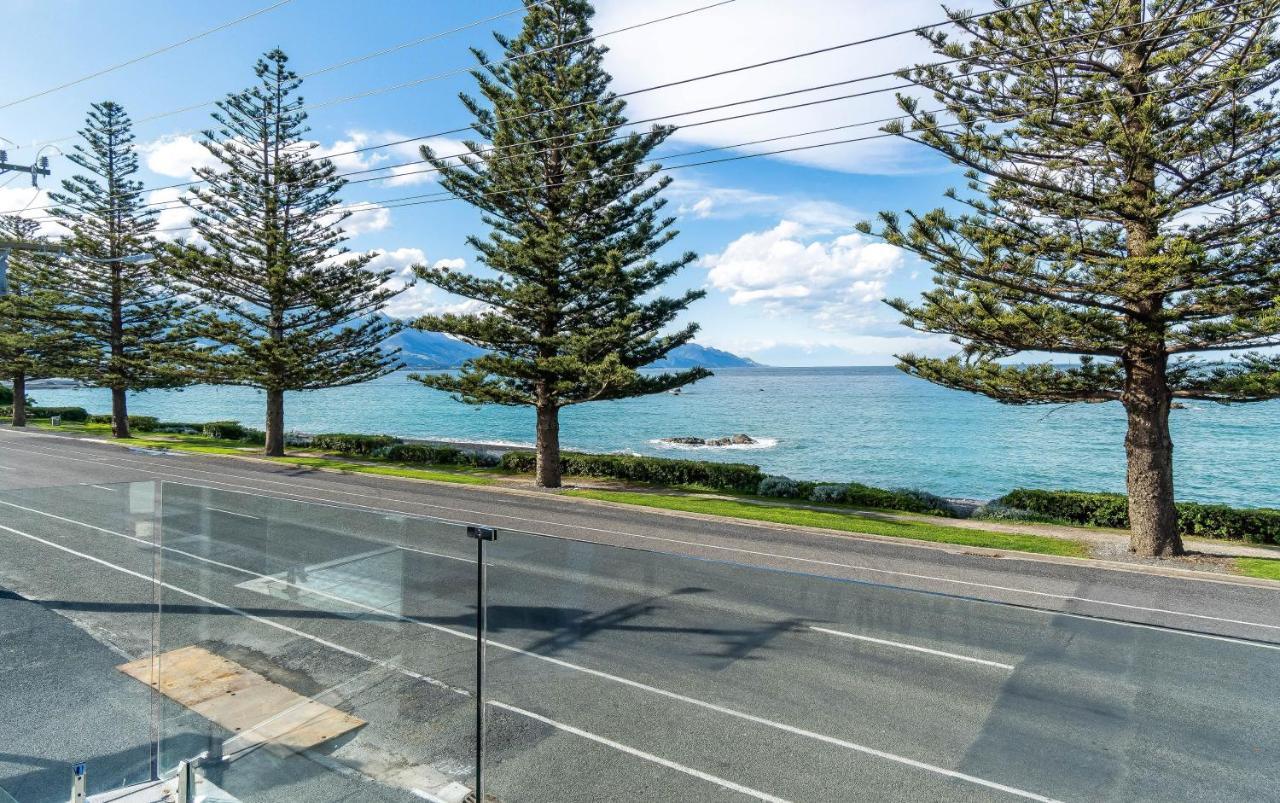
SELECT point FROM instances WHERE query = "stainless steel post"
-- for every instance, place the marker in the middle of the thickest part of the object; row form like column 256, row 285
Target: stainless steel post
column 482, row 536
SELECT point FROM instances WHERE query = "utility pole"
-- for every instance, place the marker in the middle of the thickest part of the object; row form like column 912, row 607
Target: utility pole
column 39, row 168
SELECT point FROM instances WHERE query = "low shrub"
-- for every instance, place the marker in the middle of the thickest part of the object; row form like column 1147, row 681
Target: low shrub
column 993, row 511
column 910, row 501
column 78, row 415
column 428, row 454
column 784, row 488
column 832, row 494
column 137, row 423
column 1257, row 526
column 658, row 470
column 224, row 430
column 179, row 428
column 352, row 444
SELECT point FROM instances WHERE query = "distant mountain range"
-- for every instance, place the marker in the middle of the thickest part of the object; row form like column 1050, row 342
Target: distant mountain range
column 435, row 350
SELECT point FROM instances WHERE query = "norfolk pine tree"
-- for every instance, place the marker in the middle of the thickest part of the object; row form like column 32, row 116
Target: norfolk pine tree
column 130, row 315
column 288, row 308
column 570, row 312
column 1123, row 210
column 37, row 336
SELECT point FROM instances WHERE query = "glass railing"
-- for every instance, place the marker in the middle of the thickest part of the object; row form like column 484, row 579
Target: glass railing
column 290, row 650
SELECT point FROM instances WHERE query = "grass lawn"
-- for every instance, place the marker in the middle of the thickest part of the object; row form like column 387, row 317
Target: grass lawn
column 1266, row 568
column 846, row 522
column 205, row 445
column 437, row 473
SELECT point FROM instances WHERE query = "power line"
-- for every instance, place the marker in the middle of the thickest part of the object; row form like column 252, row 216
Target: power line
column 144, row 56
column 177, row 203
column 427, row 79
column 445, row 196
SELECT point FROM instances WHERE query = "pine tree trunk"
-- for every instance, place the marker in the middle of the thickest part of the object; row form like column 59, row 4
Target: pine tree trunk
column 548, row 472
column 19, row 399
column 275, row 423
column 1153, row 519
column 119, row 414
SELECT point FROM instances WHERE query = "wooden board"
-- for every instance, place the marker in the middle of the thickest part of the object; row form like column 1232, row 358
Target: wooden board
column 242, row 701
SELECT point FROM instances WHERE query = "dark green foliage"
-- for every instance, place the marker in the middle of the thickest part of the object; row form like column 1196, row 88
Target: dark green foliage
column 137, row 423
column 288, row 306
column 224, row 430
column 77, row 415
column 128, row 311
column 1122, row 159
column 657, row 470
column 1259, row 526
column 352, row 444
column 854, row 494
column 429, row 454
column 570, row 311
column 37, row 336
column 784, row 488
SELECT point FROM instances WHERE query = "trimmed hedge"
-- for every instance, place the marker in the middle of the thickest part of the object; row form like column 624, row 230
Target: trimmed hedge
column 77, row 414
column 1257, row 526
column 428, row 454
column 223, row 430
column 352, row 444
column 137, row 423
column 658, row 470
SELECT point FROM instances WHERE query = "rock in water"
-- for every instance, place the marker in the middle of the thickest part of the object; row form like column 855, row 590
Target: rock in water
column 731, row 440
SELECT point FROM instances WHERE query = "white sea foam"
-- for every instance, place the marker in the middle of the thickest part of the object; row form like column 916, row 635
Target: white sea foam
column 760, row 443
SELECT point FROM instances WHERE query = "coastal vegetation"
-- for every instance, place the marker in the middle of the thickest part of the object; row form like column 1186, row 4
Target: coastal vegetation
column 572, row 207
column 287, row 307
column 32, row 343
column 664, row 477
column 1120, row 209
column 126, row 332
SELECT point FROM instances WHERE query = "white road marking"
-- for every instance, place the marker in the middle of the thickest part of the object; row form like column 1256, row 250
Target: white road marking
column 233, row 513
column 284, row 495
column 397, row 668
column 746, row 790
column 635, row 684
column 913, row 647
column 103, row 488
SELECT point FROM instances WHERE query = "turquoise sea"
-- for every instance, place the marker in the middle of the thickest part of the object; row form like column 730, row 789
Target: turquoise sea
column 873, row 425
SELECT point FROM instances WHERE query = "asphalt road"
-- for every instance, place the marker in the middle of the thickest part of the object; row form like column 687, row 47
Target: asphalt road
column 738, row 662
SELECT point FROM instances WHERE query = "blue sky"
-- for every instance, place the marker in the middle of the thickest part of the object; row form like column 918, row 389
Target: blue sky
column 788, row 280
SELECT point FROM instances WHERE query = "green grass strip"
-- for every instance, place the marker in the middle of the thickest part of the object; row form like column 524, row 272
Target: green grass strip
column 441, row 474
column 1265, row 568
column 847, row 522
column 201, row 444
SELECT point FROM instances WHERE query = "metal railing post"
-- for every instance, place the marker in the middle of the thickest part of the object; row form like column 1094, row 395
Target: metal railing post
column 78, row 781
column 482, row 536
column 186, row 782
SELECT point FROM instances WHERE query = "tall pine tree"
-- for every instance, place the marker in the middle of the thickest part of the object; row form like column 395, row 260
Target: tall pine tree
column 38, row 336
column 1122, row 159
column 130, row 313
column 288, row 308
column 570, row 313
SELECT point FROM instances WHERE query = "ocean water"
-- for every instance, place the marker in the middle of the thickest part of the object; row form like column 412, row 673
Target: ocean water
column 872, row 425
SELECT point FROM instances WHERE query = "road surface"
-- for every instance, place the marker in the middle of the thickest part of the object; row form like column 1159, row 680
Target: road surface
column 632, row 655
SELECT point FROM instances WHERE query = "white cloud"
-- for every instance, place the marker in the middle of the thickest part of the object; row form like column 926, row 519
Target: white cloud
column 173, row 215
column 365, row 217
column 850, row 350
column 26, row 201
column 839, row 282
column 176, row 156
column 743, row 33
column 420, row 298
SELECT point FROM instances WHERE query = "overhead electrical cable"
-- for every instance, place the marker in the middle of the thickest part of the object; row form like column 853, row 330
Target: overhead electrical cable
column 143, row 57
